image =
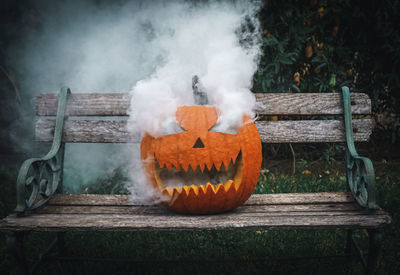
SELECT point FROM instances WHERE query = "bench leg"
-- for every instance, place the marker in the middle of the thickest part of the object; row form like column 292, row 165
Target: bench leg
column 15, row 244
column 349, row 242
column 61, row 250
column 369, row 262
column 61, row 243
column 375, row 237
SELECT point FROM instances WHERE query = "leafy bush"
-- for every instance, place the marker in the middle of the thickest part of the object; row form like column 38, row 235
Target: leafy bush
column 318, row 46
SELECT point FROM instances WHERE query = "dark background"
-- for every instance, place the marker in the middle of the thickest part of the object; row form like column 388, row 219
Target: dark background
column 308, row 46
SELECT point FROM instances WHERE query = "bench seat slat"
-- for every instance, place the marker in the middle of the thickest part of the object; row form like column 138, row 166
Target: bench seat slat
column 255, row 199
column 158, row 223
column 117, row 104
column 168, row 221
column 260, row 212
column 295, row 209
column 296, row 131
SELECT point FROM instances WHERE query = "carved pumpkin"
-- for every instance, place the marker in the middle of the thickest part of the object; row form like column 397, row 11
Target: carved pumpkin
column 221, row 169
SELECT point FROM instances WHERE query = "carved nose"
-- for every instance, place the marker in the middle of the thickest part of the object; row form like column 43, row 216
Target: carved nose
column 198, row 144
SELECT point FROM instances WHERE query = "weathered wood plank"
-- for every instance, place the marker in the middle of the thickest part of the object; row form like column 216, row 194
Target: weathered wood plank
column 300, row 198
column 227, row 221
column 282, row 209
column 297, row 131
column 104, row 131
column 255, row 199
column 117, row 104
column 310, row 103
column 86, row 212
column 92, row 104
column 300, row 131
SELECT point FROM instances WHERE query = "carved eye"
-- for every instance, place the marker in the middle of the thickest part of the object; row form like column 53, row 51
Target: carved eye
column 225, row 129
column 169, row 126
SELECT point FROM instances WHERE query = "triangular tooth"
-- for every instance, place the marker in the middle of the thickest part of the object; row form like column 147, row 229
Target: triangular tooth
column 210, row 187
column 191, row 168
column 209, row 164
column 235, row 157
column 226, row 163
column 186, row 188
column 228, row 185
column 185, row 166
column 195, row 189
column 217, row 166
column 202, row 167
column 169, row 166
column 168, row 190
column 202, row 188
column 177, row 190
column 161, row 164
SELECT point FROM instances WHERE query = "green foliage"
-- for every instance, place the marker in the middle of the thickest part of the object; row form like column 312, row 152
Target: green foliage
column 107, row 183
column 311, row 181
column 318, row 46
column 333, row 151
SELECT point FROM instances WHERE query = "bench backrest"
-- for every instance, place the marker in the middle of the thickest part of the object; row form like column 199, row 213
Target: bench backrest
column 103, row 117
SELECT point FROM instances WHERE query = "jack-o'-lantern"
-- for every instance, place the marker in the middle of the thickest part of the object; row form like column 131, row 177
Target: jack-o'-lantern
column 200, row 170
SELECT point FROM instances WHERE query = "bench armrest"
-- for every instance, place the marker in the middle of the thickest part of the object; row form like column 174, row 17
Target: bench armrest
column 360, row 172
column 39, row 178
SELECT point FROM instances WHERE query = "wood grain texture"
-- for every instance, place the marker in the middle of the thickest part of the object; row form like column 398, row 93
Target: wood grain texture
column 117, row 104
column 299, row 131
column 310, row 104
column 293, row 209
column 311, row 131
column 93, row 104
column 255, row 199
column 260, row 212
column 237, row 219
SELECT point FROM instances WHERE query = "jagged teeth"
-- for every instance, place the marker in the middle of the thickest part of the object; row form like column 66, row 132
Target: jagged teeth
column 185, row 166
column 196, row 189
column 219, row 165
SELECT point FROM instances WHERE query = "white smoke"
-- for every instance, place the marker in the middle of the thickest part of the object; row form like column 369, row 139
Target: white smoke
column 154, row 46
column 210, row 40
column 203, row 41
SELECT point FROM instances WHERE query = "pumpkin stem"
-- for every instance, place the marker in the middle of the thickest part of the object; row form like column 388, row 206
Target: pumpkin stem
column 199, row 93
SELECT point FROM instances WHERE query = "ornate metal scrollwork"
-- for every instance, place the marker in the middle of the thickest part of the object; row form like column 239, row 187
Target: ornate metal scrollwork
column 40, row 178
column 360, row 172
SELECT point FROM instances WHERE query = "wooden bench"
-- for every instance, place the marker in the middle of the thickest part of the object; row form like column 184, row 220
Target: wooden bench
column 41, row 206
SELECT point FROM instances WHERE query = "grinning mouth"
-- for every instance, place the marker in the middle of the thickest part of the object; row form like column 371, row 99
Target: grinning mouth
column 196, row 179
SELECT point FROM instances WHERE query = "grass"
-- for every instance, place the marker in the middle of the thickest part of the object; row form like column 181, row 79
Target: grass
column 223, row 252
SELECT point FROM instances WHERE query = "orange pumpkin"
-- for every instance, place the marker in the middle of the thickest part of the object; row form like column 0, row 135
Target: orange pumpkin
column 200, row 170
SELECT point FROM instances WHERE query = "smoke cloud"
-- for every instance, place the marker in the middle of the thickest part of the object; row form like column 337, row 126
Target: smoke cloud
column 210, row 40
column 149, row 48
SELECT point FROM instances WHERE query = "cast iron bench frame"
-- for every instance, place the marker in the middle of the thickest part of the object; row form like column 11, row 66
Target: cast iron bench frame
column 41, row 206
